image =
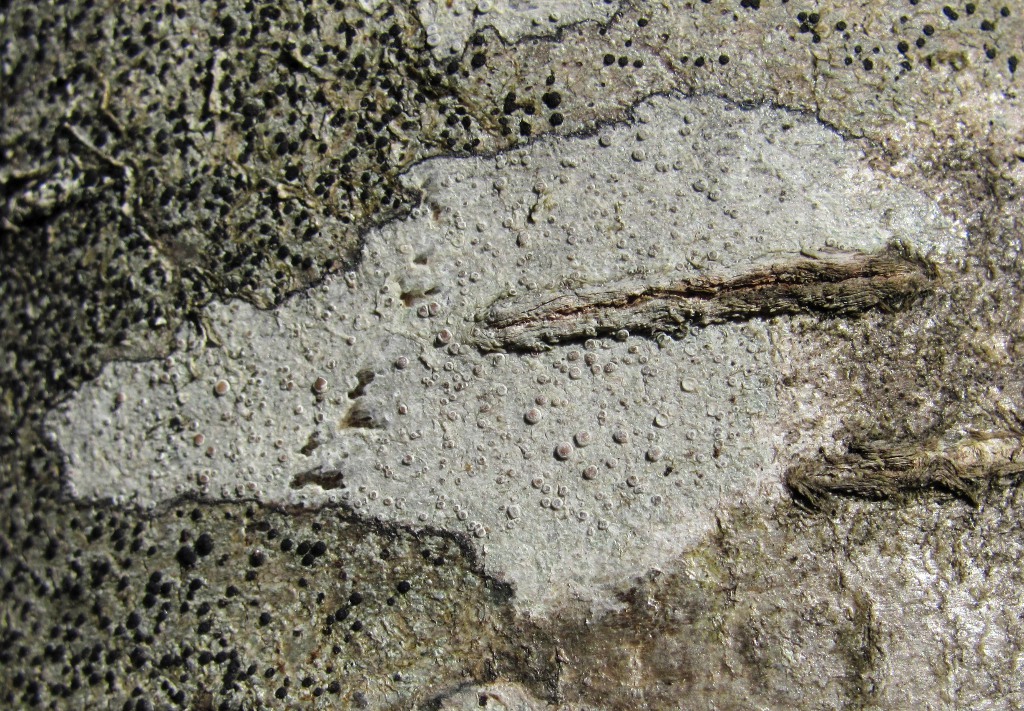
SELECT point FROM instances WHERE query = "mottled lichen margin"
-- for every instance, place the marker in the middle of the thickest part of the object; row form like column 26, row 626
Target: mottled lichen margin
column 205, row 590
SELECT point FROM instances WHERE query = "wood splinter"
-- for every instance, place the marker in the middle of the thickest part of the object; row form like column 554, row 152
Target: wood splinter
column 835, row 283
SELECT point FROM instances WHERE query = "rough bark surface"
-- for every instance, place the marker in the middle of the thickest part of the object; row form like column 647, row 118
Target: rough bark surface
column 160, row 160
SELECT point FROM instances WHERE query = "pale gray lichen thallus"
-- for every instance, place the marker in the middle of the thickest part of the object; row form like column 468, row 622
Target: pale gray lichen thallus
column 568, row 468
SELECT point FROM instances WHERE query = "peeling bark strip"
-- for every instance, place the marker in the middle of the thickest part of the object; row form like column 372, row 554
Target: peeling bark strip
column 812, row 482
column 838, row 283
column 880, row 470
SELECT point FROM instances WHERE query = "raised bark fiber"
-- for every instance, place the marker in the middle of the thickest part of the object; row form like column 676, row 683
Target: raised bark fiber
column 835, row 283
column 881, row 470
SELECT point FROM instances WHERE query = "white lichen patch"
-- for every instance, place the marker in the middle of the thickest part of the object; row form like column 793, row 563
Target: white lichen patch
column 449, row 25
column 571, row 469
